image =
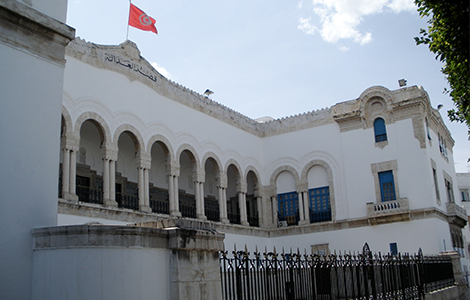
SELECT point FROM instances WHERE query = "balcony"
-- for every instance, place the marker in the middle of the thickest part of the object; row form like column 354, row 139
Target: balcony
column 388, row 212
column 456, row 214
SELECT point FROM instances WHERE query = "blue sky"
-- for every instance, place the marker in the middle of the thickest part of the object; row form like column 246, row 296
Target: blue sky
column 278, row 58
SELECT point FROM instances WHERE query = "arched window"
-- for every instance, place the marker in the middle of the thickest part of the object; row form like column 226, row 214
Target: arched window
column 379, row 130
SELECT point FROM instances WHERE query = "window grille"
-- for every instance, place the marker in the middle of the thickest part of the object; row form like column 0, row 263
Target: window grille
column 320, row 207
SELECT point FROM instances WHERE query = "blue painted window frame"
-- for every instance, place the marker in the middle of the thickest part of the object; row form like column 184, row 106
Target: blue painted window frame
column 288, row 207
column 320, row 206
column 379, row 130
column 387, row 186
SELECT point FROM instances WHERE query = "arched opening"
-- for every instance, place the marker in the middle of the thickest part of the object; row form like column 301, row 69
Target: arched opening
column 319, row 195
column 187, row 198
column 127, row 187
column 287, row 199
column 89, row 179
column 233, row 181
column 252, row 199
column 158, row 179
column 211, row 201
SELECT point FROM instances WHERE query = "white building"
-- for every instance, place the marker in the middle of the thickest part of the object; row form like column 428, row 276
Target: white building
column 140, row 147
column 136, row 147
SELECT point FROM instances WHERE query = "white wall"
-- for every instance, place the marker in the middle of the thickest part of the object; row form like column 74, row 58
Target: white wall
column 123, row 273
column 30, row 111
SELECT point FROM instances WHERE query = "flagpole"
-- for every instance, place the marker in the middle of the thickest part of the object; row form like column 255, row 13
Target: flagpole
column 127, row 35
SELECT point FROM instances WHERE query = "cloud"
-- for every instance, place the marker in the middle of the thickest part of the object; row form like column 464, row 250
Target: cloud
column 339, row 19
column 161, row 70
column 344, row 48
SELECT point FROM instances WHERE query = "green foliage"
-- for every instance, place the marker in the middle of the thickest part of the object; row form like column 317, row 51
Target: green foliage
column 448, row 37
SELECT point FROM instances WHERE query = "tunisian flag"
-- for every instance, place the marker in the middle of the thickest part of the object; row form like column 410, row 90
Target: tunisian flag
column 140, row 20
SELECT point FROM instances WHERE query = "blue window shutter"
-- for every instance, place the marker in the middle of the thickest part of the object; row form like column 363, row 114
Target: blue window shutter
column 387, row 186
column 380, row 130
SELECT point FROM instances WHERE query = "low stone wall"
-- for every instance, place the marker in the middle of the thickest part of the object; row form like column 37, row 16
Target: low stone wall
column 152, row 261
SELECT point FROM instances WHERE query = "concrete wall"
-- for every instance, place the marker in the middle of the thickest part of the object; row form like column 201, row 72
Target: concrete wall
column 32, row 47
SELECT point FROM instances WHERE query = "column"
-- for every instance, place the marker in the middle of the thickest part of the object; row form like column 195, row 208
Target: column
column 141, row 187
column 302, row 220
column 176, row 207
column 274, row 210
column 109, row 156
column 259, row 205
column 242, row 204
column 105, row 181
column 222, row 205
column 66, row 173
column 200, row 192
column 171, row 194
column 146, row 191
column 306, row 206
column 112, row 180
column 73, row 172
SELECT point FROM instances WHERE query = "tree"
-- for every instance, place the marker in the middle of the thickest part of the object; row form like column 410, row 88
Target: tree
column 448, row 37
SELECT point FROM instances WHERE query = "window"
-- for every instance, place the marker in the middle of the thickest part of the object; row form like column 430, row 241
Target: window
column 288, row 207
column 393, row 248
column 442, row 145
column 387, row 186
column 450, row 191
column 320, row 208
column 465, row 195
column 379, row 130
column 436, row 186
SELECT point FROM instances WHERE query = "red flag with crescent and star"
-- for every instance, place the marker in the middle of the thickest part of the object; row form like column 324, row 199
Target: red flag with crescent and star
column 140, row 20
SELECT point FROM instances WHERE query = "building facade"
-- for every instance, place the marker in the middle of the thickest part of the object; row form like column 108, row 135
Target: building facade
column 139, row 147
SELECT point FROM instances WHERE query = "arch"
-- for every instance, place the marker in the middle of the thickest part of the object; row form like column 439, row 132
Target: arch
column 237, row 166
column 164, row 141
column 66, row 126
column 99, row 121
column 135, row 135
column 190, row 149
column 251, row 168
column 331, row 190
column 281, row 169
column 212, row 155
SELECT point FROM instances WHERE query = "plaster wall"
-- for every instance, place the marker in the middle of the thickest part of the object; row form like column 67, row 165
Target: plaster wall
column 123, row 273
column 30, row 110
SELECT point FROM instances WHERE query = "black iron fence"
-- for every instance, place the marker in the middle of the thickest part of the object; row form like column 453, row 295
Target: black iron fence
column 349, row 276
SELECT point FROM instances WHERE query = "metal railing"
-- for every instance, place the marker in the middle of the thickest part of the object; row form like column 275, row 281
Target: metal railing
column 349, row 276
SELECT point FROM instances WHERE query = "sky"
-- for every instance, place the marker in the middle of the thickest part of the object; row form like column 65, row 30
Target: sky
column 278, row 58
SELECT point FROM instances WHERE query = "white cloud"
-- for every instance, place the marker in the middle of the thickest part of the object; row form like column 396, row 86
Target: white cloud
column 339, row 19
column 305, row 26
column 344, row 48
column 300, row 4
column 161, row 70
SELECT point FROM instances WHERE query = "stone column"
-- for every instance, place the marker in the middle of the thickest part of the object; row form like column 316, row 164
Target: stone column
column 73, row 172
column 306, row 206
column 201, row 215
column 173, row 195
column 112, row 181
column 274, row 210
column 109, row 156
column 302, row 209
column 143, row 162
column 259, row 205
column 69, row 167
column 242, row 204
column 65, row 173
column 222, row 204
column 147, row 190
